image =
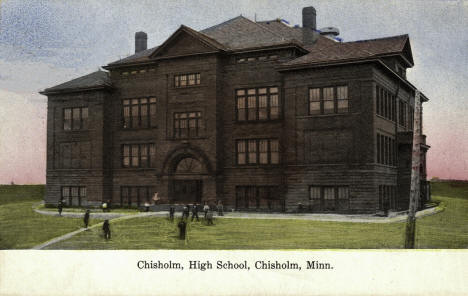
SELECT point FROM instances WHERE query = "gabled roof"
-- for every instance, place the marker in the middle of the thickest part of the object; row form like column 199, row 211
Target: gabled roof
column 95, row 80
column 215, row 45
column 322, row 52
column 241, row 33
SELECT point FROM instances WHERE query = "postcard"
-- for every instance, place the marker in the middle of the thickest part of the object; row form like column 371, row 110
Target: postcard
column 233, row 147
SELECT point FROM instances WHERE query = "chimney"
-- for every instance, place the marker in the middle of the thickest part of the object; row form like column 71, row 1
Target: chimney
column 309, row 18
column 141, row 40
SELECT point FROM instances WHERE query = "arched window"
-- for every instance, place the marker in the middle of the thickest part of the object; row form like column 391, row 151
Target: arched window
column 189, row 165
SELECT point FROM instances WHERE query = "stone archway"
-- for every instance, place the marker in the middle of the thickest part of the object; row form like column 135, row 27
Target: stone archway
column 188, row 176
column 187, row 181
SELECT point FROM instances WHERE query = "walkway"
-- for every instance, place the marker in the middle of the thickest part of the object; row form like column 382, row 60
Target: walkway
column 93, row 215
column 233, row 215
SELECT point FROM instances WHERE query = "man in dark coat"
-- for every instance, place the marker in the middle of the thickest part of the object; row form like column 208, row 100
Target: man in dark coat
column 86, row 219
column 182, row 229
column 60, row 207
column 106, row 229
column 195, row 212
column 171, row 213
column 186, row 212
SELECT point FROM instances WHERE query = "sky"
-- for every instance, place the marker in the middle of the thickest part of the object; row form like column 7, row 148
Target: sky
column 44, row 43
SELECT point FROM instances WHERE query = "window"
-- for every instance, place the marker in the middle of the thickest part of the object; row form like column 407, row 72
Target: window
column 185, row 80
column 74, row 195
column 387, row 197
column 386, row 150
column 328, row 100
column 257, row 104
column 400, row 70
column 385, row 104
column 253, row 59
column 135, row 195
column 139, row 113
column 328, row 198
column 75, row 118
column 402, row 113
column 259, row 198
column 187, row 125
column 74, row 155
column 257, row 151
column 138, row 155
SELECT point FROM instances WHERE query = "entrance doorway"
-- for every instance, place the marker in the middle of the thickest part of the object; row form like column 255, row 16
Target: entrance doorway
column 187, row 191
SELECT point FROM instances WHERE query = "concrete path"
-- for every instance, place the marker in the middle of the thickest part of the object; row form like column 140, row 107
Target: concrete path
column 95, row 215
column 70, row 234
column 114, row 217
column 362, row 218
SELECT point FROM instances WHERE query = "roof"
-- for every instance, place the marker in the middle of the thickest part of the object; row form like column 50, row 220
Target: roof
column 241, row 34
column 236, row 34
column 98, row 79
column 342, row 51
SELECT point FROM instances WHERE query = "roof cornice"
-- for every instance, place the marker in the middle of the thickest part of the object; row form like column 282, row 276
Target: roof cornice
column 74, row 90
column 350, row 62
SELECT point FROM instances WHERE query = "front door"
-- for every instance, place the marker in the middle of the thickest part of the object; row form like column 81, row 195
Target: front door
column 187, row 191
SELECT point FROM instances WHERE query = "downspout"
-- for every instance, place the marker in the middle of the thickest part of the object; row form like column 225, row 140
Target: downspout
column 397, row 160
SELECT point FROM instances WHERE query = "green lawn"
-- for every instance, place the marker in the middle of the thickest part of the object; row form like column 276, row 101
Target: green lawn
column 448, row 229
column 20, row 226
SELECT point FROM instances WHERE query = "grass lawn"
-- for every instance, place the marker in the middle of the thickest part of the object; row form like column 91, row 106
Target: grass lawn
column 448, row 229
column 20, row 226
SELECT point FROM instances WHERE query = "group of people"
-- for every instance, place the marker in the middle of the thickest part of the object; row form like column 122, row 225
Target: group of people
column 195, row 208
column 182, row 225
column 208, row 215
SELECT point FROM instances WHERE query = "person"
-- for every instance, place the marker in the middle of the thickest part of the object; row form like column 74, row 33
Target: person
column 106, row 229
column 60, row 207
column 182, row 229
column 206, row 208
column 195, row 212
column 209, row 218
column 220, row 208
column 86, row 219
column 186, row 212
column 108, row 205
column 171, row 212
column 147, row 205
column 104, row 206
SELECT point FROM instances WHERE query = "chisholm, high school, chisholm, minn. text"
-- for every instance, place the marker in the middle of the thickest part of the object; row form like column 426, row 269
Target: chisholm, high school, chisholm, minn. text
column 205, row 265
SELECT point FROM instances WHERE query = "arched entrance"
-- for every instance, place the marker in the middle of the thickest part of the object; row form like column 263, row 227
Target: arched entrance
column 188, row 176
column 187, row 183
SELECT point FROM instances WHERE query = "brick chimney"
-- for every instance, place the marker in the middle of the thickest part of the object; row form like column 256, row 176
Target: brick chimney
column 141, row 41
column 309, row 18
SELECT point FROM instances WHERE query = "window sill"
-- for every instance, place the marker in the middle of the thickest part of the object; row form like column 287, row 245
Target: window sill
column 136, row 169
column 187, row 87
column 256, row 166
column 138, row 128
column 186, row 139
column 258, row 121
column 382, row 117
column 326, row 115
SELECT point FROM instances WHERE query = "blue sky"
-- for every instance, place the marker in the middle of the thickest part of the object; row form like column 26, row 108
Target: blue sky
column 43, row 43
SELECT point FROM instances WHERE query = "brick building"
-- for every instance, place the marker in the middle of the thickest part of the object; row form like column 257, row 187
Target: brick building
column 260, row 115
